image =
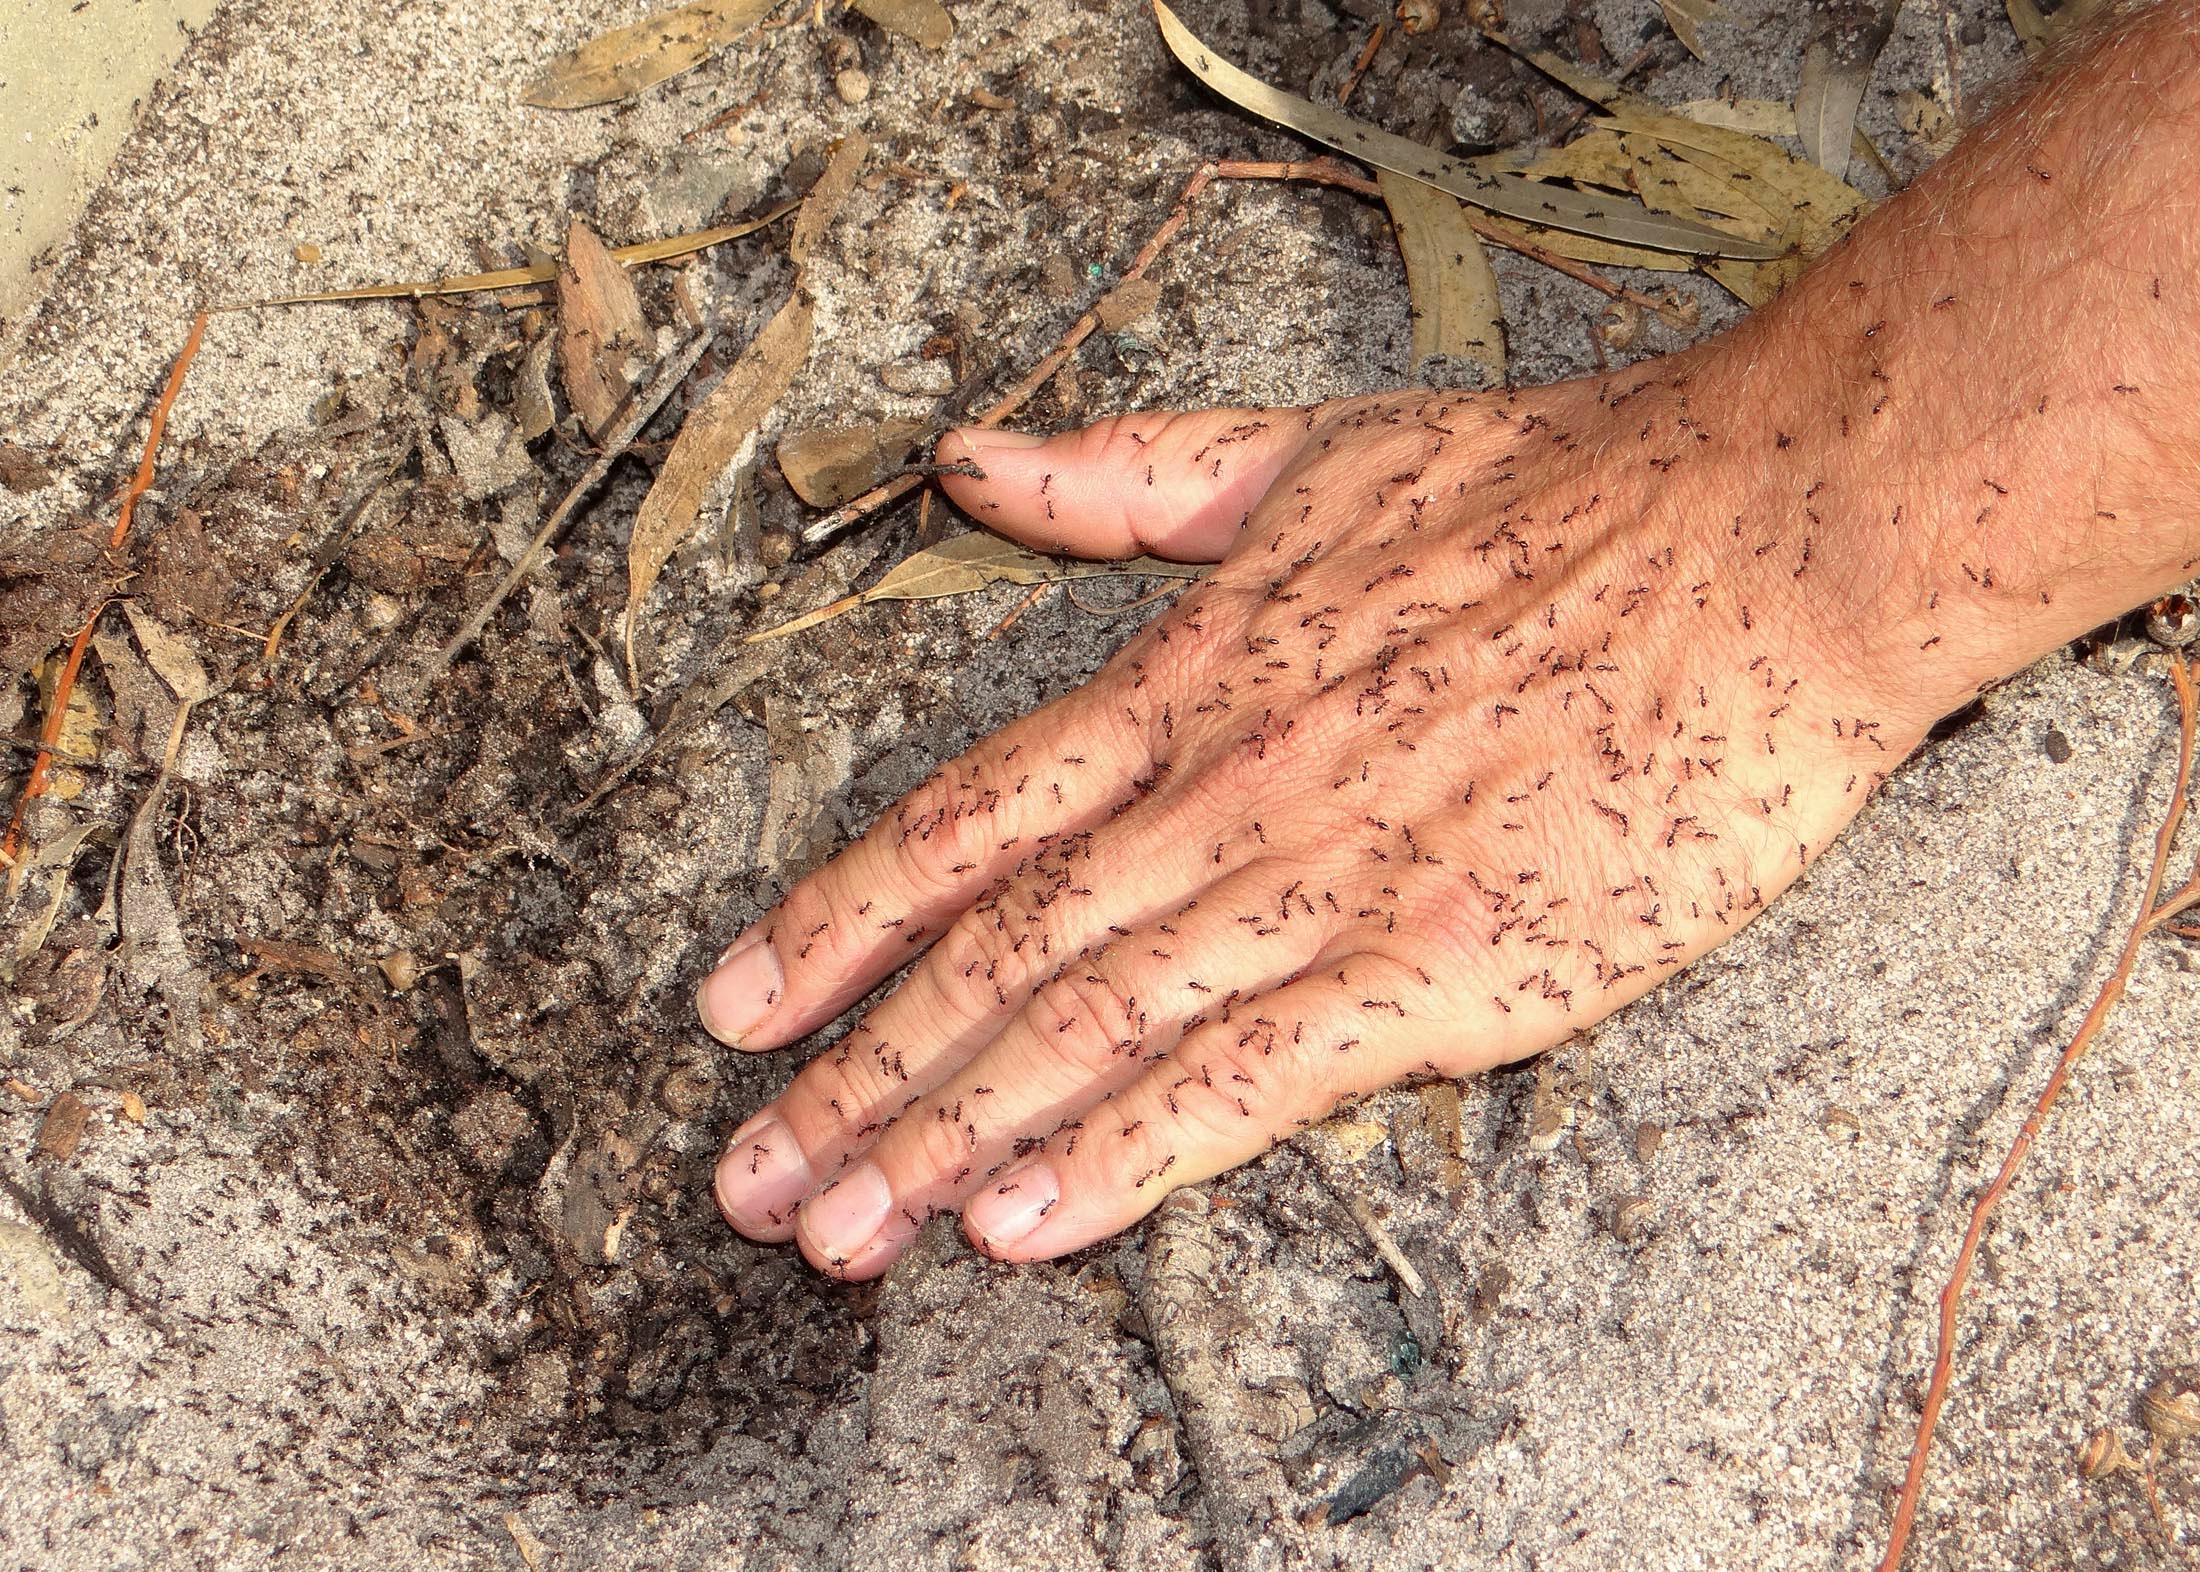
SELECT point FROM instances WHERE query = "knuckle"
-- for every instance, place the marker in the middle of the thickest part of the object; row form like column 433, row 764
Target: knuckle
column 1082, row 1022
column 843, row 1093
column 1233, row 1081
column 991, row 954
column 1115, row 440
column 820, row 929
column 938, row 834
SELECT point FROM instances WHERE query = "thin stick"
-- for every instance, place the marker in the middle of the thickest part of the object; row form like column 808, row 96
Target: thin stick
column 1359, row 66
column 1313, row 171
column 50, row 733
column 669, row 249
column 1936, row 1393
column 640, row 409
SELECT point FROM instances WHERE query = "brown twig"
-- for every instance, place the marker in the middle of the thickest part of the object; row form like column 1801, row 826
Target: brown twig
column 2150, row 914
column 50, row 733
column 1016, row 612
column 1147, row 599
column 641, row 406
column 1359, row 66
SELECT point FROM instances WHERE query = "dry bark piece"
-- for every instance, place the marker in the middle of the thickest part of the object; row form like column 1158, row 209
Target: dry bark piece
column 827, row 465
column 925, row 21
column 628, row 60
column 1131, row 301
column 21, row 469
column 61, row 1132
column 601, row 331
column 289, row 957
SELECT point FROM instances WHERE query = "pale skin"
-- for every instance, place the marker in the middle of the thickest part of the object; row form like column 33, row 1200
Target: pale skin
column 1498, row 709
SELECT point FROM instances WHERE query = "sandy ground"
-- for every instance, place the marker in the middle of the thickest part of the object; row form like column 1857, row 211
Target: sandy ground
column 72, row 79
column 323, row 1305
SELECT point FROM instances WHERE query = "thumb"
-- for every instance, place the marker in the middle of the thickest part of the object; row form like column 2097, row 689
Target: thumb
column 1175, row 485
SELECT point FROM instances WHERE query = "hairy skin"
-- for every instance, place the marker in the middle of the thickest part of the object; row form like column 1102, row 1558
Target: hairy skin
column 1498, row 709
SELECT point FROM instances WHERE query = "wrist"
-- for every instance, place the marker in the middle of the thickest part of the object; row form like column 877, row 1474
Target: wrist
column 1971, row 501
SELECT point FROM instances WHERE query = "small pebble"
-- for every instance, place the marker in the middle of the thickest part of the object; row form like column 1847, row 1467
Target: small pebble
column 2056, row 745
column 853, row 85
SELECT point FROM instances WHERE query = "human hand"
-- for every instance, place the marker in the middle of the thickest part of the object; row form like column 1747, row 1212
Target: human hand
column 1498, row 710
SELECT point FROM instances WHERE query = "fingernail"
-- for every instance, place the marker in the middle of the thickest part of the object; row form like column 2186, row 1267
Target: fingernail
column 761, row 1176
column 981, row 439
column 747, row 941
column 1005, row 1213
column 841, row 1219
column 741, row 991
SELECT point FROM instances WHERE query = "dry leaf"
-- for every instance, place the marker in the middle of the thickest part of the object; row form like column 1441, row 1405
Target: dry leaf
column 707, row 443
column 2037, row 29
column 1685, row 16
column 539, row 270
column 821, row 204
column 1767, row 117
column 1454, row 291
column 1925, row 118
column 926, row 21
column 827, row 465
column 717, row 428
column 1606, row 218
column 169, row 654
column 2031, row 24
column 969, row 562
column 60, row 854
column 1837, row 66
column 602, row 335
column 624, row 61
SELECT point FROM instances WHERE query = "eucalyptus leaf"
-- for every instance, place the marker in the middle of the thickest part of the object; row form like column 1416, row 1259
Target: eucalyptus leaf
column 2036, row 29
column 1456, row 313
column 1685, row 17
column 1837, row 66
column 707, row 443
column 628, row 60
column 970, row 562
column 1768, row 117
column 1607, row 218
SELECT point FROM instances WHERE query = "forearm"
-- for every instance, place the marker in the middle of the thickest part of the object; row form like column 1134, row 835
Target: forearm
column 1994, row 382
